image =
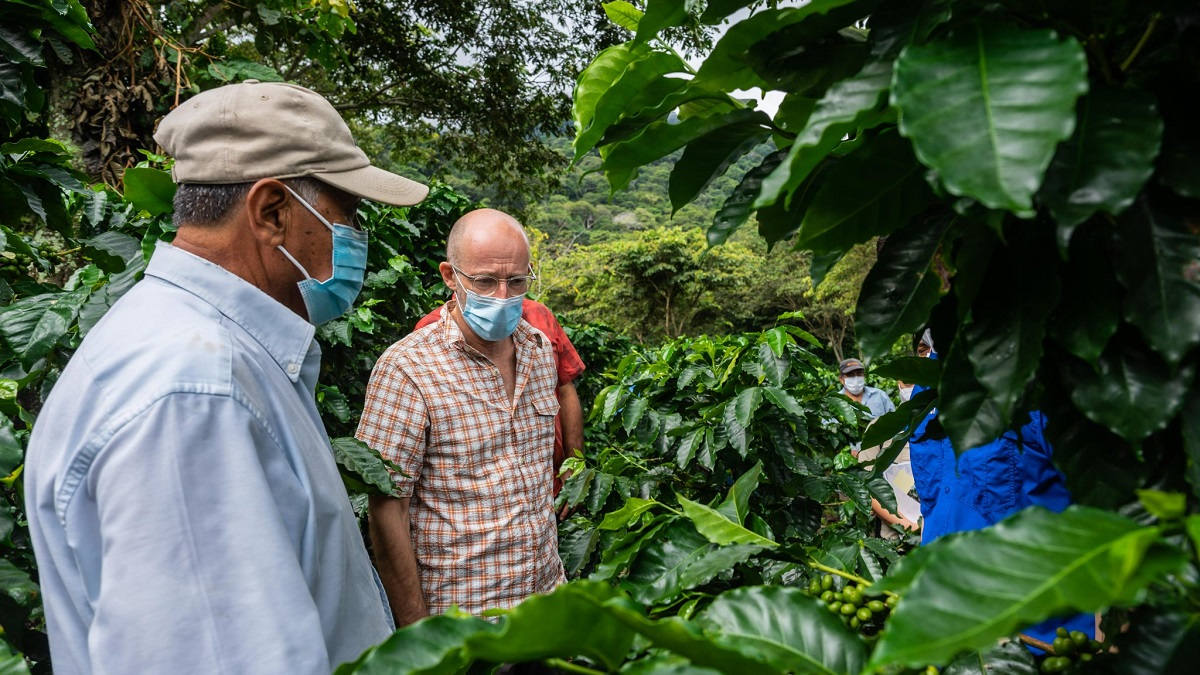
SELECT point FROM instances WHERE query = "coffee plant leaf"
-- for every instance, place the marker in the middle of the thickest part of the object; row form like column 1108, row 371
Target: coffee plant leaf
column 1031, row 566
column 982, row 116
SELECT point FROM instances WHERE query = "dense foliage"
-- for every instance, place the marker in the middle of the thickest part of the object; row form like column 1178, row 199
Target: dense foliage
column 1033, row 169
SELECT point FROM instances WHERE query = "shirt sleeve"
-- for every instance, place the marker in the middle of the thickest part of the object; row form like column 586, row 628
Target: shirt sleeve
column 429, row 318
column 200, row 515
column 570, row 366
column 395, row 422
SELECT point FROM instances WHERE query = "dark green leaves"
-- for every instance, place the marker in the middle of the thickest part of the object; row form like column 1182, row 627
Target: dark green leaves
column 782, row 629
column 149, row 190
column 970, row 590
column 363, row 469
column 709, row 157
column 33, row 326
column 1131, row 390
column 987, row 106
column 1108, row 159
column 872, row 192
column 1159, row 267
column 901, row 289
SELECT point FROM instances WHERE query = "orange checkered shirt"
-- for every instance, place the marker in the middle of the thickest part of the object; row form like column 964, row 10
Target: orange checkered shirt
column 481, row 518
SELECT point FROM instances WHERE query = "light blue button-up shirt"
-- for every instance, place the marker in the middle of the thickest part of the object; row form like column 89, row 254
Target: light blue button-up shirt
column 184, row 504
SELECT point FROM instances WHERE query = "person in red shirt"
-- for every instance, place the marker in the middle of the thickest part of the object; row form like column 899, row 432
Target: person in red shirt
column 568, row 425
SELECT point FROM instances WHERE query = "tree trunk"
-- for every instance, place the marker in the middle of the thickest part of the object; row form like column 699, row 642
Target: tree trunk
column 107, row 101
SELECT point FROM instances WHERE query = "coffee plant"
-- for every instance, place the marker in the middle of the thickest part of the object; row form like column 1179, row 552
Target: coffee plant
column 1031, row 170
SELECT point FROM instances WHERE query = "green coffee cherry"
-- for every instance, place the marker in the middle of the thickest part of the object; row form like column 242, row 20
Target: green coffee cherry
column 848, row 609
column 827, row 596
column 876, row 606
column 1080, row 639
column 864, row 614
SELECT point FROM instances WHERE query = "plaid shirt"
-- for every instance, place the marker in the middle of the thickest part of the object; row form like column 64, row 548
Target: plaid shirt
column 481, row 515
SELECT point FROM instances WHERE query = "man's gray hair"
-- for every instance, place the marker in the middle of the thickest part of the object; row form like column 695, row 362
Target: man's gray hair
column 209, row 204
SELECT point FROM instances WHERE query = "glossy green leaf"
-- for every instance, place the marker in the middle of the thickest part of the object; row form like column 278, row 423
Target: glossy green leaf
column 684, row 638
column 641, row 84
column 726, row 67
column 899, row 23
column 1089, row 311
column 635, row 407
column 738, row 205
column 856, row 489
column 31, row 327
column 781, row 221
column 911, row 369
column 623, row 14
column 1104, row 165
column 882, row 492
column 1180, row 163
column 902, row 287
column 717, row 10
column 598, row 78
column 662, row 14
column 1009, row 314
column 112, row 251
column 746, row 404
column 1104, row 484
column 523, row 634
column 1159, row 266
column 616, row 558
column 665, row 663
column 784, row 631
column 791, row 60
column 737, row 503
column 1190, row 419
column 149, row 190
column 362, row 463
column 980, row 586
column 1159, row 640
column 16, row 584
column 659, row 139
column 731, row 423
column 709, row 157
column 967, row 411
column 599, row 491
column 433, row 646
column 986, row 106
column 897, row 427
column 576, row 544
column 676, row 559
column 1130, row 390
column 872, row 192
column 688, row 445
column 718, row 528
column 783, row 400
column 1163, row 505
column 775, row 366
column 633, row 509
column 841, row 111
column 1010, row 658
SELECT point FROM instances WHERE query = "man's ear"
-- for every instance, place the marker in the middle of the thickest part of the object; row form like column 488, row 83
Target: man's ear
column 268, row 212
column 447, row 271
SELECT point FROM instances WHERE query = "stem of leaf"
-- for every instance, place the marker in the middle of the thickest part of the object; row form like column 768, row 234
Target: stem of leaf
column 571, row 667
column 1034, row 642
column 846, row 575
column 1137, row 49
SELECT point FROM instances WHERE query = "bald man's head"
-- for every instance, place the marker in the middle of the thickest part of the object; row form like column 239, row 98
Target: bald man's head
column 478, row 228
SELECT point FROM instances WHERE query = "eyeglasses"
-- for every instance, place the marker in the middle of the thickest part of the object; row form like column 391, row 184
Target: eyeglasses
column 486, row 285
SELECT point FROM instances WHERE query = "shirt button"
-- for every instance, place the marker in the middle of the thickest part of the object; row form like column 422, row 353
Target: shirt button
column 293, row 369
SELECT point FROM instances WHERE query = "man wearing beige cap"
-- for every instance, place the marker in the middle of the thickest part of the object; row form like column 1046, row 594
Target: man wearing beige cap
column 185, row 507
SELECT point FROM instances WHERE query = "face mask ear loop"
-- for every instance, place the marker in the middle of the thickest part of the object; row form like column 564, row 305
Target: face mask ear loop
column 294, row 262
column 311, row 209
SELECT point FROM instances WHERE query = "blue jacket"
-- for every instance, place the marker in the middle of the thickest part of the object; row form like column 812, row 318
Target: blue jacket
column 987, row 484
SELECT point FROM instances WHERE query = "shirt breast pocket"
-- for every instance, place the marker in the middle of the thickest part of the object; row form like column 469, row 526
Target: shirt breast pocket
column 989, row 479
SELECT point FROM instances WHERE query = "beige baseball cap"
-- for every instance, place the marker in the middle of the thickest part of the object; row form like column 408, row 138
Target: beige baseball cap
column 244, row 132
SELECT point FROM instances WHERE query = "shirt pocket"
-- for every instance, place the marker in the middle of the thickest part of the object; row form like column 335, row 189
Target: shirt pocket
column 989, row 479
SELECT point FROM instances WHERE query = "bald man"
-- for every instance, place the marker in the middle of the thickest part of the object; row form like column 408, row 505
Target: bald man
column 465, row 407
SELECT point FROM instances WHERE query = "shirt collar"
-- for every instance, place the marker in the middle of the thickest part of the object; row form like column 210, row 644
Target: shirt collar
column 284, row 335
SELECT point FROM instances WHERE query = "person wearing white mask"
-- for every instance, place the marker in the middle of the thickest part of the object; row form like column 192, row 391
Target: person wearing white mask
column 465, row 408
column 852, row 374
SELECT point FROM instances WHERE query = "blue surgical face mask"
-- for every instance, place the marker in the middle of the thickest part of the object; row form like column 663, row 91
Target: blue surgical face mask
column 329, row 299
column 492, row 319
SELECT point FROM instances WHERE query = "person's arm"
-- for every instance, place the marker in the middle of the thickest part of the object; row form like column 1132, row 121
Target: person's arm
column 395, row 559
column 197, row 508
column 889, row 517
column 570, row 414
column 394, row 421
